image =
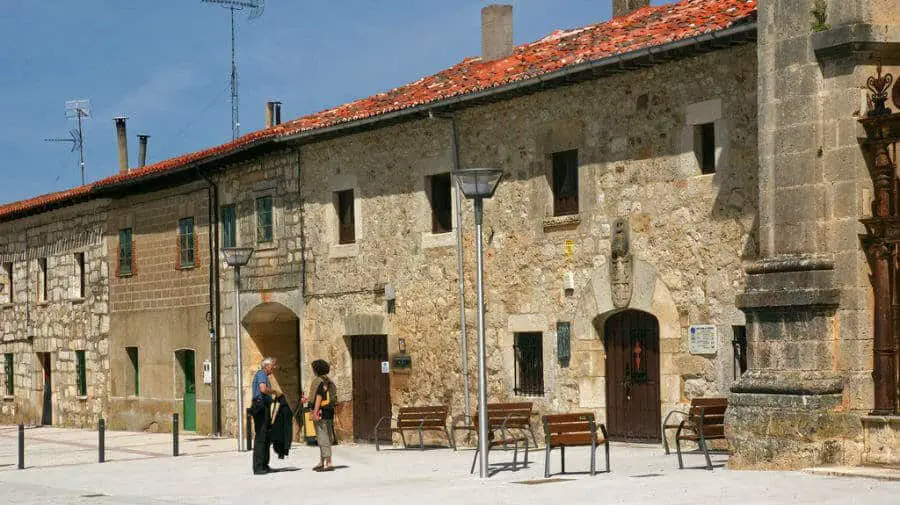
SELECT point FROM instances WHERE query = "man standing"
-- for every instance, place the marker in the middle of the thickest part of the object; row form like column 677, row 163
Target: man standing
column 262, row 400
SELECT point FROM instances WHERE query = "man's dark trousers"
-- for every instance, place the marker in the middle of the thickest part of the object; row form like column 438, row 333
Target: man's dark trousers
column 261, row 442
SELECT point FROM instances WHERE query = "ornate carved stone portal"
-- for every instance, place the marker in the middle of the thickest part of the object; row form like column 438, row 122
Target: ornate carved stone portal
column 620, row 264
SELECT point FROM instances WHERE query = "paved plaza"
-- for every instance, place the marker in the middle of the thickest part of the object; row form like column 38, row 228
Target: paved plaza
column 62, row 468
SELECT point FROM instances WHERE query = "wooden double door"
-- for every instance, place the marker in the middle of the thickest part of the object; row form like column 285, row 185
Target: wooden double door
column 632, row 376
column 371, row 386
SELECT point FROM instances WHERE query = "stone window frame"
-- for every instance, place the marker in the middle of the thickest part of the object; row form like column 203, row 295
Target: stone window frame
column 121, row 256
column 183, row 262
column 81, row 373
column 557, row 136
column 531, row 323
column 261, row 240
column 558, row 159
column 429, row 239
column 336, row 249
column 695, row 116
column 224, row 225
column 263, row 189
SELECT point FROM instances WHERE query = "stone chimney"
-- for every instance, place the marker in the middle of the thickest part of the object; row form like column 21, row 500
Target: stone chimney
column 496, row 32
column 273, row 114
column 123, row 143
column 624, row 7
column 142, row 150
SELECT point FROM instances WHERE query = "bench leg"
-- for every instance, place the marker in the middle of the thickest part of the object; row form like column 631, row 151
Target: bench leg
column 421, row 442
column 606, row 446
column 678, row 450
column 665, row 442
column 474, row 459
column 516, row 456
column 593, row 459
column 547, row 461
column 562, row 458
column 526, row 454
column 450, row 440
column 533, row 438
column 403, row 438
column 706, row 453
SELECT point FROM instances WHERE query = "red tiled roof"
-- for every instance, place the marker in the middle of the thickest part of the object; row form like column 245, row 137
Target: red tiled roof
column 643, row 28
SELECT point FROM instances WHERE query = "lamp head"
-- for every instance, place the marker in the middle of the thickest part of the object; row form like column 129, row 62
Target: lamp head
column 478, row 182
column 237, row 256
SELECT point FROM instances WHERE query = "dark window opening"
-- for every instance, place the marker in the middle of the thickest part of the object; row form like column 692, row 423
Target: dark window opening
column 9, row 295
column 563, row 344
column 739, row 342
column 133, row 372
column 565, row 183
column 125, row 252
column 705, row 147
column 81, row 371
column 42, row 279
column 441, row 203
column 186, row 242
column 529, row 364
column 346, row 218
column 264, row 219
column 79, row 275
column 10, row 378
column 229, row 226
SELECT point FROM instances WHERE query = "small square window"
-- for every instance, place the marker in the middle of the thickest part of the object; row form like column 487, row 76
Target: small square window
column 186, row 242
column 229, row 226
column 529, row 364
column 440, row 198
column 565, row 183
column 346, row 218
column 705, row 147
column 81, row 371
column 126, row 258
column 264, row 220
column 10, row 377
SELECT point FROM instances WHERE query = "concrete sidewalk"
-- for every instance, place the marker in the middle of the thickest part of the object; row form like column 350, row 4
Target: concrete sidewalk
column 640, row 475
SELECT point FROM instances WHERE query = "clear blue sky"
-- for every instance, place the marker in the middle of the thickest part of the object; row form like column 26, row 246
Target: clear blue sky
column 165, row 63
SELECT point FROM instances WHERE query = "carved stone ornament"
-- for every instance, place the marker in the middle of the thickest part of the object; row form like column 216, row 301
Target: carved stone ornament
column 620, row 264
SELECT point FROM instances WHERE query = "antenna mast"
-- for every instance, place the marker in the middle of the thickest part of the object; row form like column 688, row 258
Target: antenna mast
column 76, row 109
column 256, row 9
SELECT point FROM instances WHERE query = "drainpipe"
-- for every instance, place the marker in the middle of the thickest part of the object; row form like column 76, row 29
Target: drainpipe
column 214, row 316
column 463, row 343
column 300, row 366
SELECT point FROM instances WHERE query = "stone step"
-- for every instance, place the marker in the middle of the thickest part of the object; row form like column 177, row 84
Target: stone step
column 882, row 440
column 890, row 473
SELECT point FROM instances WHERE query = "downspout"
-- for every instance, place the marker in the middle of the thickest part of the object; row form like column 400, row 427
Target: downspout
column 302, row 210
column 463, row 342
column 213, row 316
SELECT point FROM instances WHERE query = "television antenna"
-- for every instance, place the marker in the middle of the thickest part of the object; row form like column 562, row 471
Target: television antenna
column 76, row 109
column 255, row 8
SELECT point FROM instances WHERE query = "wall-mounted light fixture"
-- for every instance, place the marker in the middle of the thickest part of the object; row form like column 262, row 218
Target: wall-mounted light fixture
column 401, row 345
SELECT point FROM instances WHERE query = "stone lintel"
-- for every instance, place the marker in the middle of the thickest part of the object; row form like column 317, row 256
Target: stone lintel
column 803, row 280
column 858, row 37
column 794, row 383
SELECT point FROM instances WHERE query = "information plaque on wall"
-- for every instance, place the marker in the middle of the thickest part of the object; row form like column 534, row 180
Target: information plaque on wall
column 702, row 339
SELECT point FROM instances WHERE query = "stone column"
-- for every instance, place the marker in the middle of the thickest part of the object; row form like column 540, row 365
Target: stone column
column 807, row 299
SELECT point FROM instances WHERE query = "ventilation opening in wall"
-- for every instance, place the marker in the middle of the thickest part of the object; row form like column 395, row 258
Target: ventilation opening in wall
column 705, row 147
column 441, row 203
column 343, row 203
column 79, row 275
column 132, row 375
column 42, row 279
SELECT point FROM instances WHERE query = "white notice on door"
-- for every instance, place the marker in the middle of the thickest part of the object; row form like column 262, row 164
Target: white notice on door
column 385, row 366
column 702, row 339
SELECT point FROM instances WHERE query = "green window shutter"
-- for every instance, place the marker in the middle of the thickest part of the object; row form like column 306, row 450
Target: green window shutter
column 125, row 252
column 186, row 242
column 10, row 384
column 81, row 370
column 264, row 219
column 229, row 226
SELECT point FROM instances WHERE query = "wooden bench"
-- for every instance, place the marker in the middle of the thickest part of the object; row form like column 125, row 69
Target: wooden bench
column 496, row 424
column 705, row 421
column 505, row 417
column 420, row 419
column 681, row 415
column 573, row 430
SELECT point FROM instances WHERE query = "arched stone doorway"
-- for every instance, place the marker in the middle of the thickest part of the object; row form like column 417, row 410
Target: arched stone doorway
column 274, row 331
column 631, row 340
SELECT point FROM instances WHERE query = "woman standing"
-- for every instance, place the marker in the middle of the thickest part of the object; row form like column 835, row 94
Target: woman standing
column 321, row 398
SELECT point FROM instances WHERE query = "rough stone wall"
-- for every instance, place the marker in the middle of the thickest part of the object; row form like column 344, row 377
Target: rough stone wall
column 160, row 308
column 636, row 160
column 63, row 322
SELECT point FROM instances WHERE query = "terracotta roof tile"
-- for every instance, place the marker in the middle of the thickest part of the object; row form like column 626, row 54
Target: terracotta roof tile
column 646, row 27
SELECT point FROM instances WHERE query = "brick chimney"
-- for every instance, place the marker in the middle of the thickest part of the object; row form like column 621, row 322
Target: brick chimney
column 624, row 7
column 496, row 32
column 123, row 143
column 273, row 114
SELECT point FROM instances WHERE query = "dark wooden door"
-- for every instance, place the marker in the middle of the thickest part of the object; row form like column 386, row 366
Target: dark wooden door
column 371, row 387
column 632, row 376
column 47, row 410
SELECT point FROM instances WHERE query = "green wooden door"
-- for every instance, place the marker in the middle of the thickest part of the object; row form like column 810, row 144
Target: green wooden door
column 189, row 417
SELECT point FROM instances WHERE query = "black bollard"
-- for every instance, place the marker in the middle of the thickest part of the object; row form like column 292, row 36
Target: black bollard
column 175, row 434
column 21, row 447
column 102, row 444
column 249, row 435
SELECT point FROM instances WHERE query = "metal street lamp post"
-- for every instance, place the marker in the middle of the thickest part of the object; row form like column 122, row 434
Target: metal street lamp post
column 237, row 257
column 477, row 184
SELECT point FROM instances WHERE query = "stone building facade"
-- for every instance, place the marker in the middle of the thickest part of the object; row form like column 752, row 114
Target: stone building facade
column 54, row 316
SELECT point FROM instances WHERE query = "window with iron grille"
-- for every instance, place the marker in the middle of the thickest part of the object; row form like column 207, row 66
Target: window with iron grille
column 229, row 226
column 79, row 275
column 529, row 364
column 134, row 372
column 739, row 342
column 9, row 295
column 42, row 279
column 125, row 252
column 439, row 197
column 346, row 219
column 10, row 378
column 81, row 371
column 705, row 147
column 565, row 183
column 186, row 242
column 264, row 219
